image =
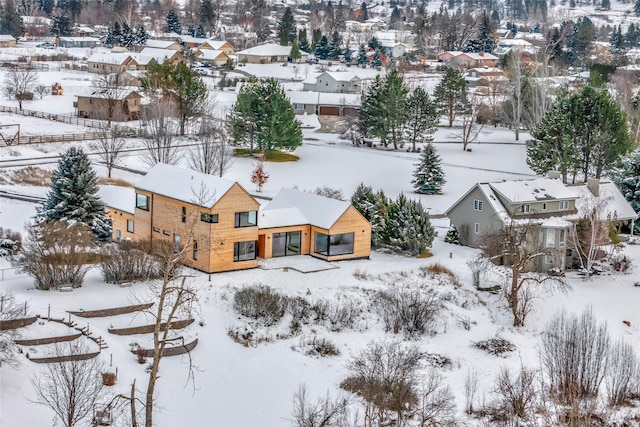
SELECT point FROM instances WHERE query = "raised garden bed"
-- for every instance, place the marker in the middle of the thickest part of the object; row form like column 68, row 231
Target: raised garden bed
column 170, row 351
column 106, row 312
column 48, row 340
column 147, row 329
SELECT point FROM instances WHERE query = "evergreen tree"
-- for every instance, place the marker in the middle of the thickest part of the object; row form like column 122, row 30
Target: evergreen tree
column 303, row 43
column 407, row 227
column 362, row 56
column 199, row 32
column 128, row 37
column 376, row 59
column 322, row 48
column 47, row 6
column 616, row 41
column 263, row 114
column 429, row 176
column 631, row 37
column 207, row 16
column 61, row 25
column 348, row 56
column 627, row 178
column 452, row 235
column 113, row 34
column 140, row 35
column 334, row 46
column 606, row 4
column 295, row 52
column 172, row 23
column 10, row 21
column 287, row 28
column 365, row 14
column 451, row 94
column 636, row 8
column 422, row 118
column 384, row 109
column 374, row 43
column 73, row 195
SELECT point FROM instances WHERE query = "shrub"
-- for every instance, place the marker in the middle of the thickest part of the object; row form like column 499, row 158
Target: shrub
column 410, row 312
column 261, row 303
column 321, row 347
column 109, row 378
column 127, row 261
column 620, row 263
column 496, row 346
column 337, row 315
column 141, row 353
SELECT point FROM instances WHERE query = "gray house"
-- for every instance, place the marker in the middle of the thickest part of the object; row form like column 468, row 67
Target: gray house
column 546, row 206
column 335, row 82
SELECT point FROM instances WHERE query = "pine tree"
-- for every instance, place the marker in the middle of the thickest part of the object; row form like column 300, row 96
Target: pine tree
column 627, row 178
column 172, row 23
column 373, row 206
column 348, row 56
column 374, row 43
column 636, row 8
column 376, row 60
column 295, row 54
column 73, row 195
column 303, row 42
column 141, row 36
column 450, row 94
column 616, row 41
column 10, row 20
column 362, row 56
column 631, row 37
column 365, row 14
column 334, row 46
column 128, row 37
column 113, row 34
column 60, row 25
column 407, row 227
column 287, row 28
column 452, row 235
column 322, row 48
column 207, row 15
column 199, row 32
column 422, row 118
column 429, row 176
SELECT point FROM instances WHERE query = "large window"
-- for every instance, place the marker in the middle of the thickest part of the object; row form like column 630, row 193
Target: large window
column 551, row 237
column 286, row 243
column 244, row 251
column 177, row 242
column 564, row 205
column 333, row 244
column 246, row 219
column 184, row 214
column 210, row 218
column 142, row 202
column 526, row 208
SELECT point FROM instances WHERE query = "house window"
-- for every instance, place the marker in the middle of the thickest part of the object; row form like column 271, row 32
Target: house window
column 184, row 214
column 177, row 241
column 246, row 219
column 564, row 205
column 551, row 238
column 142, row 202
column 544, row 206
column 244, row 251
column 476, row 228
column 562, row 238
column 210, row 218
column 130, row 226
column 156, row 229
column 478, row 205
column 118, row 235
column 166, row 232
column 333, row 244
column 298, row 106
column 525, row 208
column 548, row 259
column 195, row 250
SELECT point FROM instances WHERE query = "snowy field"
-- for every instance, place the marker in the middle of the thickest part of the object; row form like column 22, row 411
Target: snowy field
column 245, row 386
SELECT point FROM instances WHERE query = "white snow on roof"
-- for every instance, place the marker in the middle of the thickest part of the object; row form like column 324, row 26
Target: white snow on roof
column 184, row 184
column 269, row 49
column 323, row 98
column 117, row 197
column 6, row 37
column 216, row 44
column 613, row 203
column 272, row 218
column 80, row 39
column 533, row 190
column 556, row 222
column 159, row 44
column 210, row 54
column 320, row 211
column 340, row 76
column 480, row 56
column 109, row 58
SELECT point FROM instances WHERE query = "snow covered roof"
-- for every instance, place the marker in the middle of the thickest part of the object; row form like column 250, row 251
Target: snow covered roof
column 317, row 210
column 323, row 98
column 118, row 197
column 269, row 49
column 340, row 76
column 117, row 58
column 184, row 184
column 80, row 39
column 613, row 202
column 120, row 93
column 191, row 39
column 216, row 44
column 159, row 44
column 533, row 190
column 148, row 53
column 210, row 54
column 6, row 38
column 479, row 56
column 284, row 217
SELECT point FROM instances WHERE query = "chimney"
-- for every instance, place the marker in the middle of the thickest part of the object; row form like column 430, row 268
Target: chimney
column 593, row 184
column 481, row 53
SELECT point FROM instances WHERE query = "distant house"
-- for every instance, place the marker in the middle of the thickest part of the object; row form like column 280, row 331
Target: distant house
column 267, row 53
column 392, row 49
column 94, row 105
column 335, row 82
column 485, row 77
column 110, row 62
column 7, row 40
column 148, row 54
column 158, row 35
column 83, row 31
column 229, row 230
column 163, row 44
column 546, row 206
column 69, row 42
column 192, row 42
column 213, row 57
column 325, row 103
column 222, row 45
column 468, row 59
column 504, row 46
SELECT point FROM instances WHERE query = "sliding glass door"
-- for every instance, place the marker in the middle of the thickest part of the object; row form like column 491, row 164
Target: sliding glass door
column 285, row 244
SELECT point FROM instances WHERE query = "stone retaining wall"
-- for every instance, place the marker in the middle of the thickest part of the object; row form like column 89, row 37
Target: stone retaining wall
column 16, row 323
column 147, row 329
column 68, row 358
column 48, row 340
column 106, row 312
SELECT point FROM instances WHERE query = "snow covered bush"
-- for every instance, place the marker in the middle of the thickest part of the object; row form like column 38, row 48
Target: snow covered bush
column 332, row 193
column 496, row 346
column 452, row 235
column 260, row 302
column 10, row 242
column 411, row 312
column 319, row 347
column 127, row 261
column 337, row 315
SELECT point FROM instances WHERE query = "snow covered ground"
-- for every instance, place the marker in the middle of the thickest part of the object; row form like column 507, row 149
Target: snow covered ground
column 246, row 386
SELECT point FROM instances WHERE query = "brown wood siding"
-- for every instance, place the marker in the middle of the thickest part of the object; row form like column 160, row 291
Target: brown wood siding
column 119, row 222
column 351, row 221
column 267, row 245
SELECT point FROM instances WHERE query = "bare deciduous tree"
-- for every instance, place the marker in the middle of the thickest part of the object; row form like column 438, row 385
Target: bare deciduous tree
column 436, row 405
column 71, row 389
column 470, row 389
column 213, row 154
column 623, row 373
column 42, row 91
column 469, row 119
column 19, row 82
column 515, row 398
column 478, row 265
column 589, row 234
column 160, row 130
column 323, row 412
column 514, row 245
column 111, row 89
column 573, row 352
column 513, row 107
column 9, row 310
column 109, row 145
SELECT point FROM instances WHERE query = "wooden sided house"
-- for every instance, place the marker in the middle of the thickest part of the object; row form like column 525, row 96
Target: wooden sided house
column 228, row 227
